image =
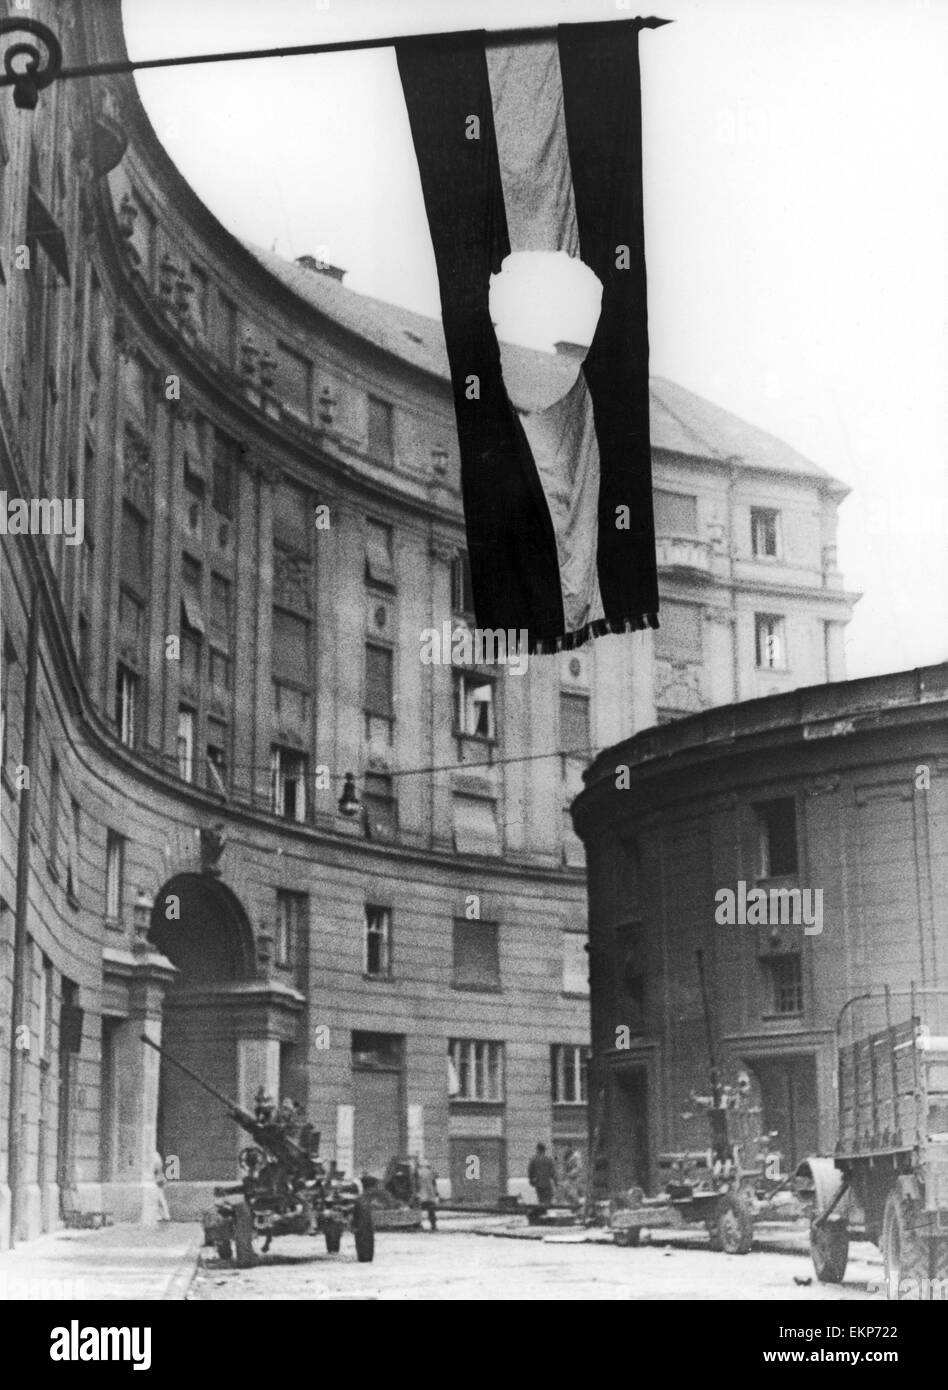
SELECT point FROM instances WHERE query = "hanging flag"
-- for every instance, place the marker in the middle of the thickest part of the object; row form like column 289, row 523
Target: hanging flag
column 535, row 144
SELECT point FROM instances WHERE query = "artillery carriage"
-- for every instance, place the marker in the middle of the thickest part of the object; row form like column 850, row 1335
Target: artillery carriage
column 285, row 1189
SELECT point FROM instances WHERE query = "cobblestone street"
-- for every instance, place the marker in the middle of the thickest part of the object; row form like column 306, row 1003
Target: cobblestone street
column 465, row 1264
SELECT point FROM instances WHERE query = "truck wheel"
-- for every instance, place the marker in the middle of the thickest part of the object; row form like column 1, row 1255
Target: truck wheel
column 628, row 1236
column 939, row 1266
column 363, row 1228
column 333, row 1234
column 904, row 1253
column 829, row 1249
column 246, row 1256
column 734, row 1225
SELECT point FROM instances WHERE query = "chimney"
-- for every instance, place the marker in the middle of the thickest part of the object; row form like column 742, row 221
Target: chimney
column 318, row 266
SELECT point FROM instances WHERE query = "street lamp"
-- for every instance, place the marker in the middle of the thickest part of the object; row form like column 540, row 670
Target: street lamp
column 349, row 803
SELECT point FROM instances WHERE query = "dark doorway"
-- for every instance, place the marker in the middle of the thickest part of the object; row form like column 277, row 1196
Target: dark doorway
column 630, row 1133
column 199, row 924
column 788, row 1100
column 379, row 1128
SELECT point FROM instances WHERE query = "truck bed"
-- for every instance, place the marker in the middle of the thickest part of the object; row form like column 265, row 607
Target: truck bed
column 878, row 1104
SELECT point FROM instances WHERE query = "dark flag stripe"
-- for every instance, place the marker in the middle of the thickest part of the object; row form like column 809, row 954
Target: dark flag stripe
column 602, row 107
column 512, row 545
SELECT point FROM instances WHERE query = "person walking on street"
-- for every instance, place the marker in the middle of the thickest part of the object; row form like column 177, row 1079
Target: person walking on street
column 541, row 1175
column 426, row 1186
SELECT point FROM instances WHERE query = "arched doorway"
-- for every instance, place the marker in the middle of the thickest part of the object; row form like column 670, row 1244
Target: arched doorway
column 201, row 927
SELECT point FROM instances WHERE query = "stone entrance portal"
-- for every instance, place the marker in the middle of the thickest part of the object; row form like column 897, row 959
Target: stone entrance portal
column 226, row 1020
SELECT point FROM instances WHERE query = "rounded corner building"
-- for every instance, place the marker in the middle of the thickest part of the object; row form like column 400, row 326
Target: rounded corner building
column 240, row 814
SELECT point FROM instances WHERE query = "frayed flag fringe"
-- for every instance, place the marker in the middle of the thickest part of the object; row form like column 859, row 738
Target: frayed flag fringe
column 569, row 641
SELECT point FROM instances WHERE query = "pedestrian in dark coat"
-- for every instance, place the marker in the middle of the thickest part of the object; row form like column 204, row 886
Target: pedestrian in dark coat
column 541, row 1175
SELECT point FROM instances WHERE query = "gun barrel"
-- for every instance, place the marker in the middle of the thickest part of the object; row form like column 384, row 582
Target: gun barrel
column 239, row 1114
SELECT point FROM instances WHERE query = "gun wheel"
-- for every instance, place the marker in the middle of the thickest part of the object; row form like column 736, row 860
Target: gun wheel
column 829, row 1249
column 905, row 1252
column 244, row 1236
column 734, row 1225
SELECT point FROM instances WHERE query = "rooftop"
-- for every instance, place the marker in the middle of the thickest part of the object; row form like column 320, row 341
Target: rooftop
column 681, row 422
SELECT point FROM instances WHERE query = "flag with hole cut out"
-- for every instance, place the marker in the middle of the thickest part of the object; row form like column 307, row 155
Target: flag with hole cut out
column 534, row 143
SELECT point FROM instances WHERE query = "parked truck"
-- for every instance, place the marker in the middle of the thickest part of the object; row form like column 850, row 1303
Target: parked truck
column 888, row 1179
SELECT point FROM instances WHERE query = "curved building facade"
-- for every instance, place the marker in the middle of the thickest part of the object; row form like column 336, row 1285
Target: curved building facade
column 696, row 835
column 271, row 524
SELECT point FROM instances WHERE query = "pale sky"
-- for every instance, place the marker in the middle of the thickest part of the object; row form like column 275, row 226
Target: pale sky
column 796, row 194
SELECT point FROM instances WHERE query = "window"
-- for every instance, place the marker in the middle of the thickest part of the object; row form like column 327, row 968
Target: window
column 786, row 975
column 676, row 514
column 379, row 563
column 220, row 608
column 6, row 676
column 288, row 782
column 379, row 681
column 114, row 875
column 575, row 963
column 199, row 281
column 769, row 642
column 473, row 706
column 293, row 374
column 131, row 616
column 569, row 1063
column 291, row 914
column 679, row 637
column 222, row 478
column 764, row 533
column 133, row 550
column 192, row 594
column 575, row 736
column 185, row 746
column 475, row 1070
column 216, row 758
column 126, row 700
column 475, row 825
column 462, row 591
column 219, row 670
column 52, row 814
column 476, row 955
column 290, row 649
column 380, row 430
column 291, row 519
column 72, row 858
column 377, row 959
column 777, row 831
column 378, row 1051
column 44, row 1026
column 190, row 659
column 381, row 808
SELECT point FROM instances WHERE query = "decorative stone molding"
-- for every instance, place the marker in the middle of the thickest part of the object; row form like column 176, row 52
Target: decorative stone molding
column 137, row 468
column 678, row 687
column 327, row 405
column 291, row 579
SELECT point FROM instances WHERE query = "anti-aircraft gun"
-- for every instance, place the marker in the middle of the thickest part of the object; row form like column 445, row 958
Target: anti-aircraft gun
column 285, row 1189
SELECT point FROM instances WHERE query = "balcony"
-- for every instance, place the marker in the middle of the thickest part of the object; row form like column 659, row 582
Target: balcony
column 683, row 553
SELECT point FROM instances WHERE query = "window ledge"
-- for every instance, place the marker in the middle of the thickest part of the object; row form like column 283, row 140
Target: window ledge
column 378, row 979
column 471, row 1100
column 477, row 989
column 784, row 1018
